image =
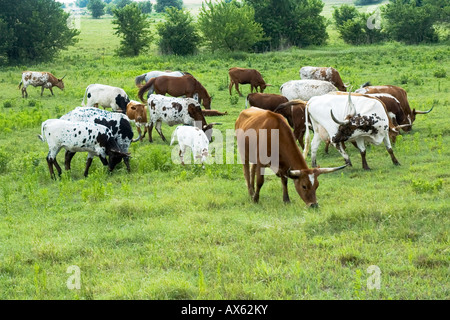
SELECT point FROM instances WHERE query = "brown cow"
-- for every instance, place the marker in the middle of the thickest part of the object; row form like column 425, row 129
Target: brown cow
column 40, row 79
column 246, row 76
column 287, row 161
column 137, row 113
column 294, row 112
column 213, row 113
column 401, row 95
column 323, row 73
column 266, row 101
column 186, row 85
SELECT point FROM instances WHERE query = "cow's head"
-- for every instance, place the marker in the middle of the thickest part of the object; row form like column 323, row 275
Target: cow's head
column 137, row 112
column 306, row 183
column 208, row 129
column 60, row 83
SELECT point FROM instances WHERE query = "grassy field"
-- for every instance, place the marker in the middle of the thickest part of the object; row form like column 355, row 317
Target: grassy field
column 165, row 231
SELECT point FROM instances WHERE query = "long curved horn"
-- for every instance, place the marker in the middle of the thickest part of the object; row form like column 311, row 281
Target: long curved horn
column 137, row 139
column 64, row 76
column 328, row 170
column 336, row 120
column 403, row 126
column 350, row 104
column 295, row 173
column 423, row 112
column 215, row 123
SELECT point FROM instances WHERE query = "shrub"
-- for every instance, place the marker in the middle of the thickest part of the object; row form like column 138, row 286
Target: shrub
column 440, row 73
column 177, row 34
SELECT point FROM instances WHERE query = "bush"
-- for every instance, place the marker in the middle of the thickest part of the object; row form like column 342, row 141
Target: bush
column 230, row 26
column 132, row 26
column 353, row 26
column 177, row 34
column 161, row 5
column 33, row 30
column 410, row 22
column 440, row 73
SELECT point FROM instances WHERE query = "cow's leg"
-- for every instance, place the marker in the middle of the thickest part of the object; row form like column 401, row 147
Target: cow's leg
column 314, row 147
column 387, row 143
column 236, row 85
column 362, row 149
column 181, row 153
column 88, row 164
column 246, row 169
column 42, row 90
column 68, row 158
column 24, row 92
column 51, row 91
column 252, row 177
column 50, row 167
column 230, row 86
column 284, row 183
column 150, row 129
column 344, row 154
column 299, row 133
column 126, row 160
column 327, row 144
column 259, row 181
column 158, row 129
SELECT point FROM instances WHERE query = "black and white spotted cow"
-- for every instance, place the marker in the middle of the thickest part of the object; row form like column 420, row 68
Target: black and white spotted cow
column 174, row 111
column 106, row 96
column 93, row 138
column 118, row 123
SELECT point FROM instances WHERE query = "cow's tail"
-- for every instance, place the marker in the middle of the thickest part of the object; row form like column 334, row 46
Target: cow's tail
column 138, row 80
column 307, row 139
column 145, row 88
column 42, row 135
column 20, row 84
column 83, row 104
column 246, row 102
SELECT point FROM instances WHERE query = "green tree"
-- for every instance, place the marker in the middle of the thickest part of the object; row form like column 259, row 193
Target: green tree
column 97, row 8
column 410, row 21
column 366, row 2
column 146, row 7
column 229, row 26
column 161, row 5
column 81, row 3
column 121, row 3
column 289, row 22
column 353, row 28
column 178, row 34
column 132, row 26
column 33, row 30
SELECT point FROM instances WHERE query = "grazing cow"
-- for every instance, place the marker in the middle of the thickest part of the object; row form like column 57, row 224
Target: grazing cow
column 40, row 79
column 400, row 94
column 364, row 119
column 106, row 96
column 294, row 112
column 266, row 101
column 213, row 113
column 137, row 113
column 323, row 73
column 246, row 76
column 186, row 85
column 394, row 109
column 254, row 130
column 118, row 123
column 194, row 138
column 80, row 136
column 305, row 89
column 174, row 111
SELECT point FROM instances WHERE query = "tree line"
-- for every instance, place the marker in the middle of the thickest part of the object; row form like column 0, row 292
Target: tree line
column 37, row 29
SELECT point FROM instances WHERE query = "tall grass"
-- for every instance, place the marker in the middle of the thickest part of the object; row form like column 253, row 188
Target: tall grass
column 165, row 231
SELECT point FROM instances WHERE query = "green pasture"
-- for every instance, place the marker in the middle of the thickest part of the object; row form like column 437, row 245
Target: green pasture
column 165, row 231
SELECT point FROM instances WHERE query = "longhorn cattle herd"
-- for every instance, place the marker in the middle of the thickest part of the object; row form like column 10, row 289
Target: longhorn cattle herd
column 266, row 131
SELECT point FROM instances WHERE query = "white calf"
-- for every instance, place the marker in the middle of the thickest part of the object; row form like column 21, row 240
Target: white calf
column 194, row 138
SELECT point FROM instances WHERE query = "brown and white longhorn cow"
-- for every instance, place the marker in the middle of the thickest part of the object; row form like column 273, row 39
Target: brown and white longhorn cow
column 265, row 140
column 45, row 80
column 401, row 95
column 323, row 73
